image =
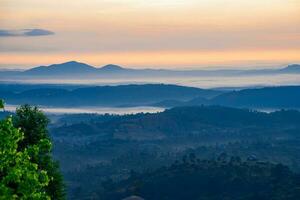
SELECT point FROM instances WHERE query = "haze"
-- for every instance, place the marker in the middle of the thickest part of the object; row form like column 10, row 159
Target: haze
column 156, row 34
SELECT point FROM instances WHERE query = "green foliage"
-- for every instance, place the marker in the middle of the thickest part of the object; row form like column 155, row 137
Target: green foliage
column 33, row 123
column 20, row 177
column 1, row 104
column 223, row 178
column 148, row 141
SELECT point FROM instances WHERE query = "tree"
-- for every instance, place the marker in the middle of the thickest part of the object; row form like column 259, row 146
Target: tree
column 20, row 177
column 1, row 104
column 33, row 123
column 210, row 179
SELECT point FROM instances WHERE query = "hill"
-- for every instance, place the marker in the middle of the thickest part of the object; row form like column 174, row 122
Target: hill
column 93, row 149
column 223, row 178
column 68, row 68
column 112, row 68
column 295, row 68
column 269, row 97
column 122, row 95
column 261, row 98
column 158, row 95
column 190, row 121
column 74, row 70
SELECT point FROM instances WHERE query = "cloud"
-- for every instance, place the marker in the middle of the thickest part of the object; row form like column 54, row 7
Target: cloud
column 25, row 33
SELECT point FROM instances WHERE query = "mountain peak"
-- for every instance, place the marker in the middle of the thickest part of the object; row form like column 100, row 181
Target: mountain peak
column 111, row 67
column 71, row 62
column 70, row 67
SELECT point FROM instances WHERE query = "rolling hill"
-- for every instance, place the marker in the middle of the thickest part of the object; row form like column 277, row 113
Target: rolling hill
column 122, row 95
column 158, row 95
column 267, row 97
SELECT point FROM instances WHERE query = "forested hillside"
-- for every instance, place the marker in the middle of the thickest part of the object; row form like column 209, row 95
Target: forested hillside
column 122, row 95
column 97, row 148
column 221, row 178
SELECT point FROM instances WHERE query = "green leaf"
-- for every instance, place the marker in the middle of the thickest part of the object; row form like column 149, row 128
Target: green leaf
column 20, row 177
column 1, row 104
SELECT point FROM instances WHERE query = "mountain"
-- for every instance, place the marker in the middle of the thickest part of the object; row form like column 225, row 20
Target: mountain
column 112, row 148
column 295, row 68
column 158, row 95
column 68, row 68
column 82, row 70
column 269, row 97
column 122, row 95
column 74, row 69
column 111, row 68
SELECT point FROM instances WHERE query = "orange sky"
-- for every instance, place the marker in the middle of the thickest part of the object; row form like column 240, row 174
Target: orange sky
column 156, row 33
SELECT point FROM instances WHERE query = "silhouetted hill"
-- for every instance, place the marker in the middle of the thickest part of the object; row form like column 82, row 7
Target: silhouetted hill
column 68, row 68
column 123, row 95
column 111, row 68
column 223, row 178
column 295, row 68
column 75, row 70
column 158, row 95
column 190, row 121
column 269, row 97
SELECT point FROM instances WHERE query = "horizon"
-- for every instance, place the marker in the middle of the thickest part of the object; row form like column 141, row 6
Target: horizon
column 160, row 99
column 208, row 68
column 157, row 34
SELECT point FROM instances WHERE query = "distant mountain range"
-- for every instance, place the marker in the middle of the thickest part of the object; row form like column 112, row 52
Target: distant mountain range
column 123, row 95
column 76, row 69
column 158, row 95
column 268, row 97
column 59, row 69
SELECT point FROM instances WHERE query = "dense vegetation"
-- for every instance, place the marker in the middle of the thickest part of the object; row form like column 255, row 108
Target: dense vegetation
column 122, row 95
column 96, row 148
column 222, row 178
column 112, row 156
column 33, row 123
column 159, row 95
column 27, row 170
column 20, row 176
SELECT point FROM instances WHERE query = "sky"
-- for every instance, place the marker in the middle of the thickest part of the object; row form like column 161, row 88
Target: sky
column 150, row 34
